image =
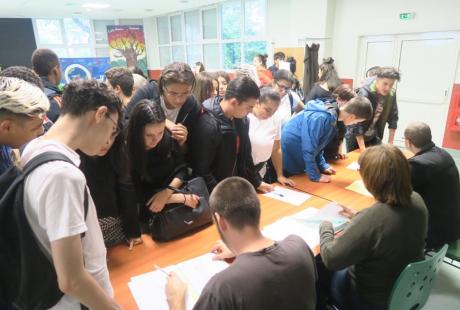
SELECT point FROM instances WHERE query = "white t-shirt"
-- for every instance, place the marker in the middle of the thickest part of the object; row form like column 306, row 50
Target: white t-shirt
column 170, row 114
column 263, row 134
column 53, row 203
column 284, row 109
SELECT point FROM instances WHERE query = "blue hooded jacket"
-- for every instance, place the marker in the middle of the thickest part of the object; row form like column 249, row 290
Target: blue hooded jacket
column 305, row 136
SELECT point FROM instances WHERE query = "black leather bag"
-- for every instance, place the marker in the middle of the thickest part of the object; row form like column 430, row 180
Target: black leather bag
column 177, row 219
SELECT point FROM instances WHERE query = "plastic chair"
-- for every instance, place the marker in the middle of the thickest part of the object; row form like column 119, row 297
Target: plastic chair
column 414, row 284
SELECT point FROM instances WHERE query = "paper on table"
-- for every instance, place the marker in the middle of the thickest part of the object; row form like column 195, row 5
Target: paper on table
column 288, row 226
column 330, row 212
column 358, row 187
column 288, row 195
column 353, row 166
column 149, row 289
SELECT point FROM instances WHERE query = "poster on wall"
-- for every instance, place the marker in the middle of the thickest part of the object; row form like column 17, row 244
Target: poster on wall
column 83, row 68
column 127, row 46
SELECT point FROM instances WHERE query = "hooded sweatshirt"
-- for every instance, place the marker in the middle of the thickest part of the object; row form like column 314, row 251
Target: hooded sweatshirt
column 305, row 136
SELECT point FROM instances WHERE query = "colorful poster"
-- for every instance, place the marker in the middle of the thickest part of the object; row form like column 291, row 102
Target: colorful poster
column 83, row 68
column 127, row 46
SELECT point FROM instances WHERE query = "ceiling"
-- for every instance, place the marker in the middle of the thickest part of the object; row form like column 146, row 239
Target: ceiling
column 117, row 8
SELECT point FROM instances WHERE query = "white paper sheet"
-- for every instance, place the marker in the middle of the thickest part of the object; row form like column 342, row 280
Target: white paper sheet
column 358, row 187
column 330, row 213
column 288, row 195
column 148, row 289
column 353, row 166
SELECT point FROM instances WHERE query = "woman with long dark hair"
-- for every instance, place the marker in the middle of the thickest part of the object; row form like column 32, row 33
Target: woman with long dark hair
column 156, row 160
column 327, row 83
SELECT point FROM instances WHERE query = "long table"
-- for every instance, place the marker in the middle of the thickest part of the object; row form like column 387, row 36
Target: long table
column 124, row 264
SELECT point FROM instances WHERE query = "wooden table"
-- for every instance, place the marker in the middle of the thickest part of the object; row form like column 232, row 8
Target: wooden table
column 124, row 264
column 336, row 190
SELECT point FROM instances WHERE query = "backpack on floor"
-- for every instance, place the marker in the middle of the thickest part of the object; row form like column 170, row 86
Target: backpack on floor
column 27, row 275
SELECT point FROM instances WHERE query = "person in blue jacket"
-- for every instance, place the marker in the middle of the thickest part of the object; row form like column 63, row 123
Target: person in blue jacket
column 305, row 136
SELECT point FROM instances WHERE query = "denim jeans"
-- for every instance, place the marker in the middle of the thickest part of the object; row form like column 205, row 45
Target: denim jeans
column 346, row 297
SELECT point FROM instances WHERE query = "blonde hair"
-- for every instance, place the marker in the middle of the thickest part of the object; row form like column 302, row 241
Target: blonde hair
column 20, row 97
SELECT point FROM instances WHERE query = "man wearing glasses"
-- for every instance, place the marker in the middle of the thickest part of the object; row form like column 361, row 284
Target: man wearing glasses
column 54, row 195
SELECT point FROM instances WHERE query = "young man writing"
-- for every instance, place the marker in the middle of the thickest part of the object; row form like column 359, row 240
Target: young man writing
column 266, row 274
column 54, row 195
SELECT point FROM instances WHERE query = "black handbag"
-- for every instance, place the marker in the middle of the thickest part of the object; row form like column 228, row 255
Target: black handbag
column 177, row 219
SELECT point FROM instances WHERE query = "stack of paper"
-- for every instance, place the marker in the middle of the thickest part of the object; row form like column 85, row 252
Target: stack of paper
column 305, row 224
column 149, row 289
column 288, row 195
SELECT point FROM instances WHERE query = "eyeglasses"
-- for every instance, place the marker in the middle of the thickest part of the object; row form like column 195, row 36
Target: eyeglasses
column 283, row 87
column 176, row 95
column 118, row 129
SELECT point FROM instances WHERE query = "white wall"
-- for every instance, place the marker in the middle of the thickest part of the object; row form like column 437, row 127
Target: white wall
column 355, row 18
column 289, row 21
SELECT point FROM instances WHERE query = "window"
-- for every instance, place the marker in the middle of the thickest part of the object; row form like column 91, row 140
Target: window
column 78, row 37
column 222, row 36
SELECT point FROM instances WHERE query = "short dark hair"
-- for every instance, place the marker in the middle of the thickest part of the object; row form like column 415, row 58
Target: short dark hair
column 44, row 60
column 235, row 199
column 82, row 96
column 146, row 112
column 284, row 74
column 279, row 55
column 386, row 175
column 388, row 73
column 122, row 77
column 23, row 73
column 242, row 88
column 267, row 93
column 344, row 92
column 359, row 106
column 176, row 73
column 372, row 71
column 418, row 133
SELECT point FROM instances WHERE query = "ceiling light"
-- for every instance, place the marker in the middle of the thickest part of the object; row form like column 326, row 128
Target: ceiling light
column 92, row 5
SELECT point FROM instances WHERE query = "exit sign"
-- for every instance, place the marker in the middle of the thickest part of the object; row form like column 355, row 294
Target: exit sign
column 406, row 15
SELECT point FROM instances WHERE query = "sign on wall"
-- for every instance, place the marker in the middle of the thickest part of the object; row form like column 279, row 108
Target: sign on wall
column 83, row 68
column 127, row 46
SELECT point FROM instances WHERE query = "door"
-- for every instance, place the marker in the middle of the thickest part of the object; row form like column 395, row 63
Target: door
column 427, row 63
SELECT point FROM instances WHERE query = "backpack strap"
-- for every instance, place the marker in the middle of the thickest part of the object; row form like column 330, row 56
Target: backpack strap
column 54, row 156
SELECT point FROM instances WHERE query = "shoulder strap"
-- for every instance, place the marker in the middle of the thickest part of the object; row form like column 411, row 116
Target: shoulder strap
column 54, row 156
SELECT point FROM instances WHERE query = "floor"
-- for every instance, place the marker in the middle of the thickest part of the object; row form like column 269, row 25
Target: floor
column 446, row 290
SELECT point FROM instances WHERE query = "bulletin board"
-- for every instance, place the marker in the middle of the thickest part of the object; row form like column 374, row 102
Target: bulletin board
column 298, row 53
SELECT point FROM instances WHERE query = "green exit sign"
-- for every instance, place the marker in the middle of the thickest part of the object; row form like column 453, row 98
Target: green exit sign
column 406, row 16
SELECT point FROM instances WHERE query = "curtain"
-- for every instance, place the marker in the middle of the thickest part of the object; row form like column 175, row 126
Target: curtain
column 310, row 74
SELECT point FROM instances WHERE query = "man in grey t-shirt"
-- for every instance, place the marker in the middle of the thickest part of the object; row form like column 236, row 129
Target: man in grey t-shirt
column 266, row 274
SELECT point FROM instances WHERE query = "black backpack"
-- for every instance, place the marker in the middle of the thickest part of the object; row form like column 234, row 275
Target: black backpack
column 27, row 275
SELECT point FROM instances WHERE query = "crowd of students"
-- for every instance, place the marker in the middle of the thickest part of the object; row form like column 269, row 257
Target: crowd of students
column 132, row 142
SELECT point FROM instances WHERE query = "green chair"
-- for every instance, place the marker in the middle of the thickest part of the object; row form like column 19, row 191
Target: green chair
column 413, row 286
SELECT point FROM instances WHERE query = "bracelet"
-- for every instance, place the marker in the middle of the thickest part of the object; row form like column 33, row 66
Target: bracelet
column 185, row 199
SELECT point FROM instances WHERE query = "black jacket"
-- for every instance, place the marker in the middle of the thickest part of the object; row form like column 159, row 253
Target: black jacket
column 220, row 147
column 164, row 163
column 188, row 114
column 435, row 177
column 54, row 96
column 113, row 194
